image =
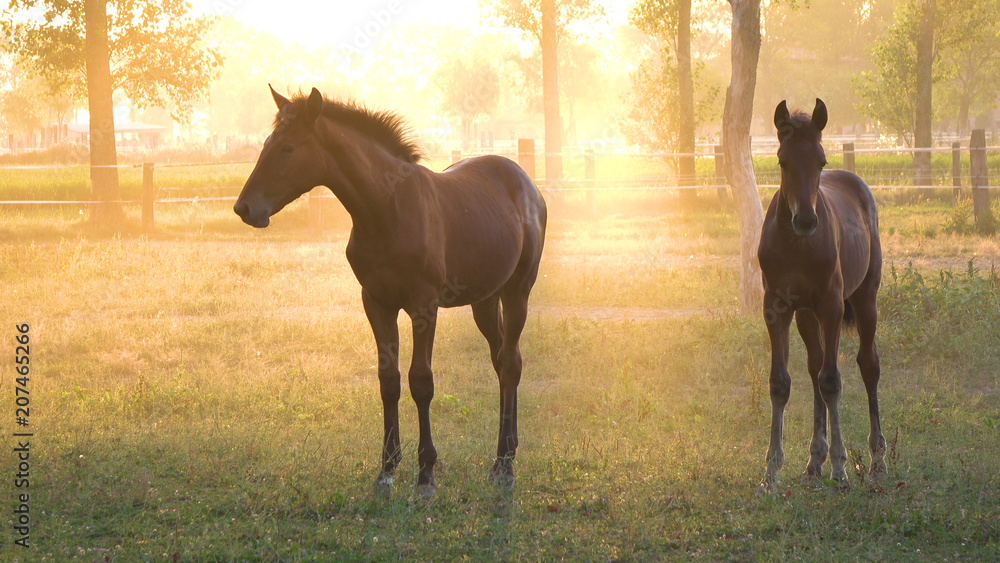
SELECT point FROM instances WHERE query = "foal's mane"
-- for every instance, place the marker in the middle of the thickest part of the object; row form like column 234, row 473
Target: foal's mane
column 801, row 122
column 384, row 127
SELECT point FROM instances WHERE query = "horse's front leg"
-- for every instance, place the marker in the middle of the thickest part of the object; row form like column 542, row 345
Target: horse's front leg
column 813, row 338
column 422, row 390
column 778, row 317
column 831, row 315
column 383, row 323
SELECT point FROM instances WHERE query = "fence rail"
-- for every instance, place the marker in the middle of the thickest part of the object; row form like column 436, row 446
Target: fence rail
column 589, row 184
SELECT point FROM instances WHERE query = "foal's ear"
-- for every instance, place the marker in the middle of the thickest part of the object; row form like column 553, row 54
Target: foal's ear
column 781, row 118
column 279, row 100
column 819, row 116
column 314, row 105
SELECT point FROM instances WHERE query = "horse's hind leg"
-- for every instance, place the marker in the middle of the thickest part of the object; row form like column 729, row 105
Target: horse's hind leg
column 867, row 317
column 809, row 330
column 514, row 297
column 487, row 316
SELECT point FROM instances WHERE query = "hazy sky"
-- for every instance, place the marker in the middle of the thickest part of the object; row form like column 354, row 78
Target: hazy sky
column 355, row 23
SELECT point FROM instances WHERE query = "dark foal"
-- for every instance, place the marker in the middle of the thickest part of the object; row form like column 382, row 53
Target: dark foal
column 821, row 262
column 471, row 235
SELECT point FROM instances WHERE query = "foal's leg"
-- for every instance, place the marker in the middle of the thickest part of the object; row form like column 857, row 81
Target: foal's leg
column 487, row 316
column 831, row 315
column 812, row 336
column 778, row 316
column 515, row 313
column 422, row 390
column 866, row 313
column 383, row 323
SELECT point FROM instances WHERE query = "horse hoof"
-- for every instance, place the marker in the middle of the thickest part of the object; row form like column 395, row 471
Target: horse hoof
column 383, row 486
column 878, row 470
column 765, row 489
column 501, row 479
column 840, row 481
column 426, row 492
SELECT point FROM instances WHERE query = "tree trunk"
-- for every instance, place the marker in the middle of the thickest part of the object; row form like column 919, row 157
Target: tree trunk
column 103, row 155
column 736, row 119
column 685, row 106
column 963, row 115
column 550, row 90
column 922, row 119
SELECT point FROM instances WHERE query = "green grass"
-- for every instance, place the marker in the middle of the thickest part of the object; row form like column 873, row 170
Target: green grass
column 208, row 392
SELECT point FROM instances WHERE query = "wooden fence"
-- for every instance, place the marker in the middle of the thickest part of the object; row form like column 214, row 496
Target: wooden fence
column 526, row 157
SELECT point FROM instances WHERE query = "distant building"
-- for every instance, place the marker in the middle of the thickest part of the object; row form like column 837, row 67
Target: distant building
column 129, row 135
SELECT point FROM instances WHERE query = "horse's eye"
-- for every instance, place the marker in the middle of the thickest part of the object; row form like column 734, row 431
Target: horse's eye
column 287, row 148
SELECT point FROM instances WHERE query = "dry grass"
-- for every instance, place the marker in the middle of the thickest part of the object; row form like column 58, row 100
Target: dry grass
column 207, row 392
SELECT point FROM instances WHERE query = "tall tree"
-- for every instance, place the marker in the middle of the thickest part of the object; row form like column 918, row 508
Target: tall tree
column 100, row 97
column 938, row 59
column 925, row 82
column 669, row 90
column 736, row 119
column 149, row 50
column 550, row 88
column 970, row 60
column 547, row 22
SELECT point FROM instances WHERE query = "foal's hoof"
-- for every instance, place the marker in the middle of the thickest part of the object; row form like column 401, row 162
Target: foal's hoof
column 427, row 491
column 878, row 470
column 765, row 489
column 502, row 474
column 383, row 486
column 502, row 480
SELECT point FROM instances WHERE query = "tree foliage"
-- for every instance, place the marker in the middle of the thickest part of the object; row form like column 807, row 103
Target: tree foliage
column 158, row 57
column 966, row 64
column 526, row 15
column 653, row 119
column 469, row 89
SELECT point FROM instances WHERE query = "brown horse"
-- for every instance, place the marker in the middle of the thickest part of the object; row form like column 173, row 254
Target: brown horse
column 420, row 240
column 821, row 262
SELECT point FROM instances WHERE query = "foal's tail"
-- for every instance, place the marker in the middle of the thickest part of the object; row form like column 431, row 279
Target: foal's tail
column 850, row 322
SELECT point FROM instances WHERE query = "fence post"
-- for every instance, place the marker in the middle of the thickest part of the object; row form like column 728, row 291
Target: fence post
column 979, row 174
column 147, row 195
column 456, row 156
column 849, row 157
column 589, row 174
column 526, row 156
column 956, row 168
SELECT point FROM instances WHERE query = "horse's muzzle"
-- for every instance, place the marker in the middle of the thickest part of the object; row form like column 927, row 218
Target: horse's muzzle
column 257, row 220
column 804, row 224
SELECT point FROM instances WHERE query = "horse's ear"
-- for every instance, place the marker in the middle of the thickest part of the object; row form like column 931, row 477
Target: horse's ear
column 314, row 105
column 279, row 100
column 819, row 117
column 781, row 118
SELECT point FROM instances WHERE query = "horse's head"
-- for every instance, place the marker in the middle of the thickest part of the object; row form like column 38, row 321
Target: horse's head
column 802, row 159
column 289, row 165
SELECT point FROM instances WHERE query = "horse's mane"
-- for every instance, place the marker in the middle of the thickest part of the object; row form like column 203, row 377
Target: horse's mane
column 802, row 121
column 384, row 127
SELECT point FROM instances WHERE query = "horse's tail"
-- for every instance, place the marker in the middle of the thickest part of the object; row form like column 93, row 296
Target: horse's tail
column 850, row 322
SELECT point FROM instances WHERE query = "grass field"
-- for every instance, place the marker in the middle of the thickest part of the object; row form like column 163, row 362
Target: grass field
column 208, row 392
